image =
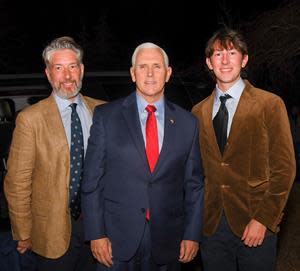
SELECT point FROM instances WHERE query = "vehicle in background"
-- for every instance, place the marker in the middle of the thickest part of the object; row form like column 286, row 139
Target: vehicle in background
column 27, row 89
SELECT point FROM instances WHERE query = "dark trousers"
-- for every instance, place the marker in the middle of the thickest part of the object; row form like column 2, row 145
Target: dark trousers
column 77, row 258
column 225, row 251
column 142, row 260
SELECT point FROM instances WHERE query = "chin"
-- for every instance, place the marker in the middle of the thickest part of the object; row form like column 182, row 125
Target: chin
column 67, row 94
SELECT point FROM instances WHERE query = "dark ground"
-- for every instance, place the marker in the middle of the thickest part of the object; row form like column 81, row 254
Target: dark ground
column 289, row 237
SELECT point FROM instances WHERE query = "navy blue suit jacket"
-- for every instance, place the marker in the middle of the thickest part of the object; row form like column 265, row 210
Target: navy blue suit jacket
column 118, row 186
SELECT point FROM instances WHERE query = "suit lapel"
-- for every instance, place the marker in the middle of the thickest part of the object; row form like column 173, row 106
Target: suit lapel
column 238, row 126
column 207, row 123
column 131, row 117
column 169, row 135
column 238, row 123
column 88, row 104
column 55, row 126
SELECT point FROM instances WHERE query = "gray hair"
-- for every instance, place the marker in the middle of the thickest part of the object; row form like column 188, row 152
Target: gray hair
column 149, row 45
column 60, row 44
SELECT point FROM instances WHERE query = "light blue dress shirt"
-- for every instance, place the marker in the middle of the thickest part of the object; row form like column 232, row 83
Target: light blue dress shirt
column 83, row 113
column 235, row 92
column 159, row 114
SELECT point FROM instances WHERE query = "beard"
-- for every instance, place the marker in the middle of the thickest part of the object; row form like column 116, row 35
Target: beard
column 66, row 94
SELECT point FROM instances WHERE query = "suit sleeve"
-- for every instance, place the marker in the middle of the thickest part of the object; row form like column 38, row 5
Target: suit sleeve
column 281, row 163
column 194, row 191
column 93, row 183
column 18, row 180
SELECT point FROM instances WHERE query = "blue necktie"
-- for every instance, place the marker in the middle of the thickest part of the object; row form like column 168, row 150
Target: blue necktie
column 76, row 162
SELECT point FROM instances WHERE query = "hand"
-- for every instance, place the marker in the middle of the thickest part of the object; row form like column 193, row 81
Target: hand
column 102, row 251
column 188, row 250
column 24, row 245
column 254, row 234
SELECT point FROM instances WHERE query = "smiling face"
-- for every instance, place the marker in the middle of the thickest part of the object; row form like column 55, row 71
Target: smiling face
column 150, row 74
column 226, row 63
column 65, row 73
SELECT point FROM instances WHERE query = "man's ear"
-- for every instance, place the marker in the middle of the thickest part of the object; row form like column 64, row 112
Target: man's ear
column 245, row 61
column 208, row 63
column 169, row 72
column 47, row 74
column 132, row 74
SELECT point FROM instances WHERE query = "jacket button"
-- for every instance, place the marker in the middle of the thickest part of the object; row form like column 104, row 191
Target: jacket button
column 143, row 210
column 224, row 164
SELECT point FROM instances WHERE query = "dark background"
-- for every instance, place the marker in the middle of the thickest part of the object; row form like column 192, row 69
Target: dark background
column 116, row 28
column 110, row 31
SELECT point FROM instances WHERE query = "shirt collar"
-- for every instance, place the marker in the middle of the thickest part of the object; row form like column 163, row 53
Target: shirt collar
column 142, row 103
column 235, row 91
column 63, row 104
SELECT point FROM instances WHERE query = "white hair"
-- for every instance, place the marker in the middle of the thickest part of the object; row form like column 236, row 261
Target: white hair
column 149, row 45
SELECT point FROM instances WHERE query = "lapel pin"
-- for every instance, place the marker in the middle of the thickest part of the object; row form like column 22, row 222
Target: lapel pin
column 172, row 121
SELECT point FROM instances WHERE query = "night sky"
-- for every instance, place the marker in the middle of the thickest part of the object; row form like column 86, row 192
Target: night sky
column 180, row 28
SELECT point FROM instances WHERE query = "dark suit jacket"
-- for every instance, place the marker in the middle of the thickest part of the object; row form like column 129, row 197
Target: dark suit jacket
column 255, row 174
column 118, row 186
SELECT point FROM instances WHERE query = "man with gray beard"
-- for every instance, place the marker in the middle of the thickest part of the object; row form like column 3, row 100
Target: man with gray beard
column 45, row 163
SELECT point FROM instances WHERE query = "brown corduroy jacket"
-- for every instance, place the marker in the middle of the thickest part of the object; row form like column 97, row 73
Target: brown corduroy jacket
column 254, row 176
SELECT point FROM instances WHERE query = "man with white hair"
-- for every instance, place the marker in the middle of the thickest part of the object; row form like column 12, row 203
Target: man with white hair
column 142, row 189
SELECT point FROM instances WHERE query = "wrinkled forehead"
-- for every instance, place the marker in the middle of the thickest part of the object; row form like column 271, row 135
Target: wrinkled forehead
column 150, row 52
column 150, row 55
